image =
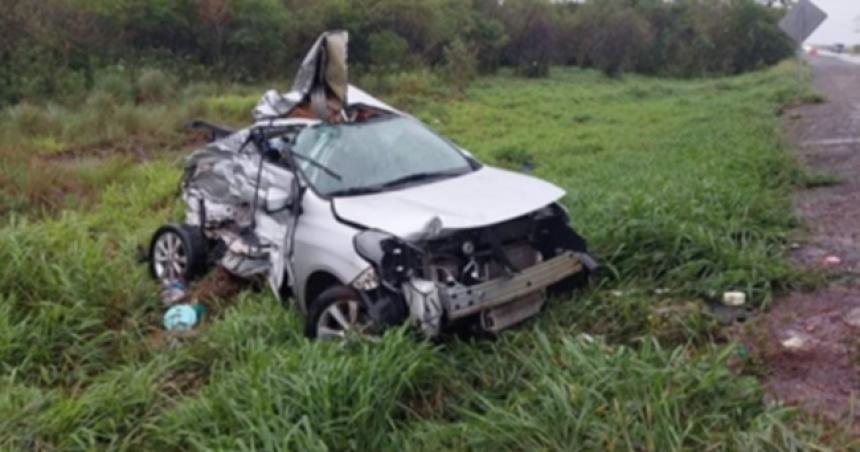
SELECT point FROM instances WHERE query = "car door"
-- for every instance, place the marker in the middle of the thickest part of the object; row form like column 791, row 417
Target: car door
column 275, row 219
column 246, row 199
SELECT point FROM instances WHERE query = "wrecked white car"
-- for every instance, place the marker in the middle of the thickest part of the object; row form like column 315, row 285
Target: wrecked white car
column 366, row 218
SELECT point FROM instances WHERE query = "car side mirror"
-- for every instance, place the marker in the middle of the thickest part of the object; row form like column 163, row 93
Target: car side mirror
column 278, row 199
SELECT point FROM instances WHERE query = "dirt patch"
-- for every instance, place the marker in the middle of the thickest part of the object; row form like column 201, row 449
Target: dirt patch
column 809, row 347
column 808, row 342
column 135, row 150
column 39, row 185
column 216, row 292
column 217, row 286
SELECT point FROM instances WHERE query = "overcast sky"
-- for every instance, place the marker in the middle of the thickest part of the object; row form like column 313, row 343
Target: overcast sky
column 840, row 25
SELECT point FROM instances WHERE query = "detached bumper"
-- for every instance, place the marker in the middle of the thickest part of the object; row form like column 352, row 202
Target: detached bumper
column 462, row 301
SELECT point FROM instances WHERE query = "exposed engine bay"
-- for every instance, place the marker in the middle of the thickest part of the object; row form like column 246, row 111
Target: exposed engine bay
column 472, row 275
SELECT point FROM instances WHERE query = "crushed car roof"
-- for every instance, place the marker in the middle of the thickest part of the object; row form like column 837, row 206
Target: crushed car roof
column 320, row 87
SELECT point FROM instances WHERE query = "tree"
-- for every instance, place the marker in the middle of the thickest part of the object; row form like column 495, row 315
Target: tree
column 613, row 40
column 388, row 49
column 531, row 36
column 214, row 17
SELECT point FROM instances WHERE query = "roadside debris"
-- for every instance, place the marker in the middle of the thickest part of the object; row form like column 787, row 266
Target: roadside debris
column 796, row 341
column 831, row 261
column 734, row 298
column 173, row 292
column 183, row 317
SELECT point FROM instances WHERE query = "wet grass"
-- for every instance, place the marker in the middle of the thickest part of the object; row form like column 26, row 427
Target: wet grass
column 682, row 183
column 681, row 186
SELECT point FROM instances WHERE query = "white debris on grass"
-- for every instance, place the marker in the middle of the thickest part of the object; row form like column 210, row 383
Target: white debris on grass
column 734, row 298
column 796, row 341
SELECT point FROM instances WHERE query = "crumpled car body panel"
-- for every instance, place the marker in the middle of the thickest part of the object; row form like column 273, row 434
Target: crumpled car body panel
column 221, row 183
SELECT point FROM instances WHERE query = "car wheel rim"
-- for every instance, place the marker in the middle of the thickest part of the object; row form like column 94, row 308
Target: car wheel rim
column 170, row 257
column 344, row 318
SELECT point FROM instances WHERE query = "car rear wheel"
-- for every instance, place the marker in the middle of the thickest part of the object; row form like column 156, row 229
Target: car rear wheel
column 177, row 252
column 339, row 312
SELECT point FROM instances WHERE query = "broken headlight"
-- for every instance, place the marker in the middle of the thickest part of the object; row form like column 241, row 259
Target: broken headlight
column 366, row 280
column 392, row 257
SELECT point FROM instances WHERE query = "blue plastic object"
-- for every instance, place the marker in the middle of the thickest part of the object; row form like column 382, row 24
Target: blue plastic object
column 183, row 317
column 173, row 292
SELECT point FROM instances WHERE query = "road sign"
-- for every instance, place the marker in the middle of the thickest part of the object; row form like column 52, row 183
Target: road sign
column 802, row 19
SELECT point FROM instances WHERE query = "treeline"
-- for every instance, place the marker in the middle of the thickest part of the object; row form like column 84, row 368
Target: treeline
column 52, row 47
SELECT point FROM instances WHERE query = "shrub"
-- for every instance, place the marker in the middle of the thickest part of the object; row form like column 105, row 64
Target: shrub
column 613, row 40
column 388, row 49
column 755, row 39
column 116, row 83
column 58, row 48
column 531, row 36
column 26, row 119
column 460, row 66
column 154, row 85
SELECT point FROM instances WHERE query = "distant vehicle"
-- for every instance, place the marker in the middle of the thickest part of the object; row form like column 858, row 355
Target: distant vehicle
column 366, row 217
column 837, row 48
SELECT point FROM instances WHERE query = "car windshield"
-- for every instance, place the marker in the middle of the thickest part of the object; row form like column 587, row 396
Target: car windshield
column 376, row 155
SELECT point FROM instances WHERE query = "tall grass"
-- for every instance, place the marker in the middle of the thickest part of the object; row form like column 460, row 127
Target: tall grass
column 680, row 186
column 303, row 397
column 585, row 394
column 680, row 183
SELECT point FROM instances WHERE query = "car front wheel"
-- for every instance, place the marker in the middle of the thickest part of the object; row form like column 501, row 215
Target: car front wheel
column 339, row 312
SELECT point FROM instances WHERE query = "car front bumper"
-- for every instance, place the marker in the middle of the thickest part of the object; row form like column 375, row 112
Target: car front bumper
column 463, row 301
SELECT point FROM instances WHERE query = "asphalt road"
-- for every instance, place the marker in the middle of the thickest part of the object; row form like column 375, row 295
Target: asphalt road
column 843, row 57
column 827, row 137
column 809, row 341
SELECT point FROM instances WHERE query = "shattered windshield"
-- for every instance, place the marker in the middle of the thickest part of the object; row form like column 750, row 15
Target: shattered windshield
column 374, row 156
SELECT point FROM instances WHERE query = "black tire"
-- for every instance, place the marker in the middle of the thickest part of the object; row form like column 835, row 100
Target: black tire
column 339, row 294
column 193, row 248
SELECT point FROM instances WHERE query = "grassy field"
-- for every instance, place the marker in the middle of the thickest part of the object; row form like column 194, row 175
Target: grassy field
column 682, row 188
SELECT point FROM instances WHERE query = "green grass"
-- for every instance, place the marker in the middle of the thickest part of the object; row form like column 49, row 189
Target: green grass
column 677, row 182
column 681, row 186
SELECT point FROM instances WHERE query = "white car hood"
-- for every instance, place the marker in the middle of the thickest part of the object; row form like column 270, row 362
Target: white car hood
column 481, row 198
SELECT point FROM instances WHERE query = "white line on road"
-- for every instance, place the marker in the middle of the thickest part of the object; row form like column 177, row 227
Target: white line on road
column 832, row 142
column 842, row 56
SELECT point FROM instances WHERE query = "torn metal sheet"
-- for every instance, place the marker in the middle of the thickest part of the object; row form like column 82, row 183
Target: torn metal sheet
column 321, row 86
column 274, row 105
column 324, row 67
